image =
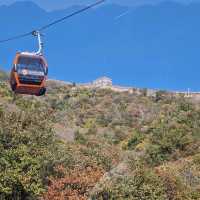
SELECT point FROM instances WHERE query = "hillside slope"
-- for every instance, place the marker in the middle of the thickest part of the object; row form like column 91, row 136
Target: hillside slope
column 83, row 144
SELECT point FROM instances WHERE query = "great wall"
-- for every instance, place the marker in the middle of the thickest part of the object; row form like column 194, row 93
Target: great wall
column 106, row 83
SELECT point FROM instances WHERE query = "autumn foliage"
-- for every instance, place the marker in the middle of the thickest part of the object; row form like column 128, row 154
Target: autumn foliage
column 79, row 143
column 73, row 184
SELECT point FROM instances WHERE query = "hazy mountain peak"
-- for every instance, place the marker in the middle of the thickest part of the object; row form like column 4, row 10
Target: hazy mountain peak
column 25, row 5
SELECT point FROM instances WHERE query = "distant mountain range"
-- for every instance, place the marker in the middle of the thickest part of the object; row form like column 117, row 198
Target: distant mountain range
column 150, row 46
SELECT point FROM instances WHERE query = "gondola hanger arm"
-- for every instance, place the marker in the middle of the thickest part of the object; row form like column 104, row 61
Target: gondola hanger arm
column 39, row 35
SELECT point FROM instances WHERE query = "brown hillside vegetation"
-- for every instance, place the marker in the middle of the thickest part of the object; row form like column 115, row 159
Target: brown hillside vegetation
column 79, row 144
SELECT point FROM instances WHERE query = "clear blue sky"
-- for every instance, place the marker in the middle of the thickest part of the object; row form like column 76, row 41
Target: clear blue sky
column 59, row 4
column 152, row 47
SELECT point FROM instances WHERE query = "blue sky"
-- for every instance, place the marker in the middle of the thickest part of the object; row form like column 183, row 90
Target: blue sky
column 59, row 4
column 152, row 47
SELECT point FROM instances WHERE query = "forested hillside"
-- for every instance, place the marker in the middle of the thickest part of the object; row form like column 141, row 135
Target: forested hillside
column 80, row 144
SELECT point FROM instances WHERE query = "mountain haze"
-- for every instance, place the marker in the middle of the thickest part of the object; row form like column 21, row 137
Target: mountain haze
column 54, row 5
column 150, row 46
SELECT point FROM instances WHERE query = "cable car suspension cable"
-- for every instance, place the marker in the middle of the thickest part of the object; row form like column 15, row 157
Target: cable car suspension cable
column 71, row 15
column 52, row 23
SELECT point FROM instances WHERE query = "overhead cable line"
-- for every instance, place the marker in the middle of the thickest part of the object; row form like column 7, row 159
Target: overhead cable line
column 16, row 37
column 71, row 15
column 52, row 23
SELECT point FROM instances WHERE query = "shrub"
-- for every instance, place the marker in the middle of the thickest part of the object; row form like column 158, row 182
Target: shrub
column 144, row 184
column 160, row 95
column 173, row 135
column 133, row 141
column 73, row 184
column 28, row 153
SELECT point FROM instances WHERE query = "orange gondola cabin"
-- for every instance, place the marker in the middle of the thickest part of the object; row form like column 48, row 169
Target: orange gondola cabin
column 29, row 74
column 29, row 71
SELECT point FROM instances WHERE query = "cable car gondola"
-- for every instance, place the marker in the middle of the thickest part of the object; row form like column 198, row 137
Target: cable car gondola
column 29, row 72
